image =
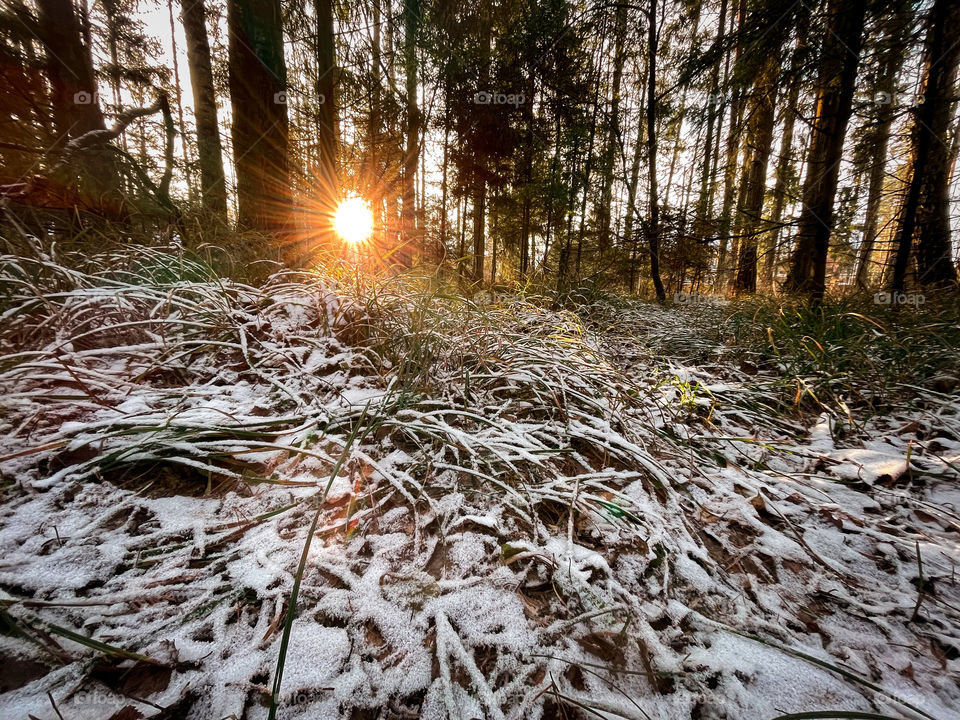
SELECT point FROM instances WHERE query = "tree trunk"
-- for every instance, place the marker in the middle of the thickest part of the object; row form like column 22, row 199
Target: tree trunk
column 653, row 237
column 563, row 264
column 926, row 210
column 554, row 165
column 411, row 17
column 604, row 211
column 479, row 180
column 258, row 86
column 713, row 102
column 325, row 88
column 213, row 191
column 461, row 239
column 759, row 142
column 184, row 145
column 629, row 221
column 479, row 218
column 785, row 164
column 527, row 177
column 732, row 160
column 839, row 60
column 444, row 192
column 589, row 164
column 76, row 107
column 373, row 120
column 394, row 151
column 877, row 139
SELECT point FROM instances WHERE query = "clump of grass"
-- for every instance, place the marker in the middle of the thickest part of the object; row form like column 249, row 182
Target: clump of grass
column 848, row 351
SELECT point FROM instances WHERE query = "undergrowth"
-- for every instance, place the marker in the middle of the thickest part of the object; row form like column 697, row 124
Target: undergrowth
column 848, row 352
column 392, row 446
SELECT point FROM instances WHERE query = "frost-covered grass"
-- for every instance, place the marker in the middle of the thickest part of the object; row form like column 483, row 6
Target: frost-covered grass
column 851, row 352
column 419, row 504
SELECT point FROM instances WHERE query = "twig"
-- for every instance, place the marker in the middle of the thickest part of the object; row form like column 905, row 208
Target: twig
column 916, row 609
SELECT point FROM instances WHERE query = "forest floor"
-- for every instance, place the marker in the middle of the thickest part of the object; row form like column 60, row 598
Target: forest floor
column 481, row 509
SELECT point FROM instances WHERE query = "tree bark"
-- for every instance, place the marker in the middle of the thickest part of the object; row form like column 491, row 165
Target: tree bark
column 527, row 177
column 213, row 191
column 325, row 87
column 785, row 163
column 653, row 237
column 713, row 102
column 411, row 16
column 839, row 60
column 759, row 143
column 926, row 210
column 732, row 160
column 878, row 139
column 184, row 145
column 258, row 86
column 479, row 181
column 373, row 120
column 76, row 107
column 604, row 211
column 629, row 221
column 588, row 170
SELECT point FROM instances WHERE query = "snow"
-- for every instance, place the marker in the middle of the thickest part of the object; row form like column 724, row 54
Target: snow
column 563, row 529
column 869, row 466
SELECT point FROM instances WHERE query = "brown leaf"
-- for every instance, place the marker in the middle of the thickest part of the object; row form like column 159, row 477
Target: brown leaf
column 830, row 518
column 707, row 517
column 141, row 680
column 606, row 645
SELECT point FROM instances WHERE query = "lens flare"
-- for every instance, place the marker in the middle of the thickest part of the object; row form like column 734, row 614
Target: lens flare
column 353, row 220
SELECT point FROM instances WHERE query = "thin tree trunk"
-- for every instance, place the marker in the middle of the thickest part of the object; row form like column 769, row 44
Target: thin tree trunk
column 785, row 165
column 604, row 211
column 878, row 140
column 374, row 192
column 563, row 267
column 461, row 244
column 493, row 240
column 411, row 16
column 628, row 223
column 184, row 145
column 589, row 165
column 479, row 218
column 527, row 177
column 395, row 155
column 479, row 178
column 443, row 181
column 653, row 238
column 706, row 188
column 732, row 161
column 550, row 199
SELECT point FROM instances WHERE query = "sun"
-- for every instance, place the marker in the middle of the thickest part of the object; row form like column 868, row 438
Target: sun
column 353, row 220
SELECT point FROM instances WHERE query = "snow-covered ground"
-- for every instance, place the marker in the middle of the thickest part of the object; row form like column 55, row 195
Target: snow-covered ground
column 519, row 513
